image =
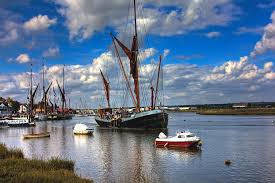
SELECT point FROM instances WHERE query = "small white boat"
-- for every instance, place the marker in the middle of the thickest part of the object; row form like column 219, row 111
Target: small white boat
column 183, row 139
column 82, row 129
column 19, row 122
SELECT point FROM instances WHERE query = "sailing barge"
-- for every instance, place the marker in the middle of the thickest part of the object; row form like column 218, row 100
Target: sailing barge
column 120, row 118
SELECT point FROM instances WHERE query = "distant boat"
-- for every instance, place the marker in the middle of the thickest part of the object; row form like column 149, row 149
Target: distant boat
column 81, row 115
column 63, row 113
column 24, row 121
column 19, row 122
column 3, row 124
column 150, row 118
column 183, row 139
column 82, row 129
column 59, row 116
column 36, row 135
column 41, row 117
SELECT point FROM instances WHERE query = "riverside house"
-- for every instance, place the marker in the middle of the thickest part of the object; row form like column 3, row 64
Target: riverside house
column 5, row 110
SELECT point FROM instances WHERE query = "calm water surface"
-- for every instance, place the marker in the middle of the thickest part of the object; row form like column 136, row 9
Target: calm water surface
column 130, row 156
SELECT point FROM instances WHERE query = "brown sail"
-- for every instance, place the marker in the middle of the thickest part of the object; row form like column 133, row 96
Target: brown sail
column 106, row 88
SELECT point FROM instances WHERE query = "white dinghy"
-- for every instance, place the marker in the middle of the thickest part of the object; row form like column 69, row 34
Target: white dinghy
column 82, row 129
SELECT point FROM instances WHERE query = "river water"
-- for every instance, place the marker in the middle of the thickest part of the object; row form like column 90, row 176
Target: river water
column 130, row 156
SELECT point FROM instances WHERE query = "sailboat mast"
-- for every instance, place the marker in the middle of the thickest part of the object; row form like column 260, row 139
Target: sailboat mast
column 152, row 97
column 160, row 59
column 135, row 12
column 63, row 90
column 31, row 96
column 43, row 78
column 136, row 80
column 44, row 92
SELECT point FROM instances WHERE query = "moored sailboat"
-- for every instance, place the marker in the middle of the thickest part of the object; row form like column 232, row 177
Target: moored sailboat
column 24, row 121
column 43, row 114
column 62, row 113
column 121, row 118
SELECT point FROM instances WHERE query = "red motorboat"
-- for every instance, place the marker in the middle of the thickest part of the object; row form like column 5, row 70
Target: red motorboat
column 183, row 139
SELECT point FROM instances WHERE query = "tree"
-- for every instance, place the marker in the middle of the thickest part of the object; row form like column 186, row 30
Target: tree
column 15, row 105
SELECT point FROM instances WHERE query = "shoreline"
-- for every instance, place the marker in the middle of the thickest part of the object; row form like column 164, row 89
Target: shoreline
column 247, row 111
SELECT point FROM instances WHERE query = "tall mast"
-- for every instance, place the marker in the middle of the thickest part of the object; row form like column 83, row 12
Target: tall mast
column 135, row 18
column 44, row 93
column 152, row 97
column 31, row 96
column 63, row 89
column 156, row 94
column 136, row 81
column 43, row 78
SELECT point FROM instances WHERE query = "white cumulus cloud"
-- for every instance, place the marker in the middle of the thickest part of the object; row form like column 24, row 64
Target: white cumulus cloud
column 85, row 17
column 23, row 58
column 39, row 22
column 267, row 41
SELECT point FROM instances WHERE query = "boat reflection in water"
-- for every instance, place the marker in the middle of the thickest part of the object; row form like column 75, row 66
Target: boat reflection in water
column 130, row 152
column 81, row 140
column 182, row 154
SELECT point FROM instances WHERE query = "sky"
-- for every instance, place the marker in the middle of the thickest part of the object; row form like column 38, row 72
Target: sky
column 213, row 51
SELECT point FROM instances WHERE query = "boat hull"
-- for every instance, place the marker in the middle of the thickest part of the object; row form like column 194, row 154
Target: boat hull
column 43, row 117
column 60, row 116
column 39, row 135
column 146, row 120
column 182, row 144
column 85, row 132
column 18, row 123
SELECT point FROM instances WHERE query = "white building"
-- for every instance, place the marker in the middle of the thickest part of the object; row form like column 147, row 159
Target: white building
column 184, row 108
column 240, row 105
column 23, row 109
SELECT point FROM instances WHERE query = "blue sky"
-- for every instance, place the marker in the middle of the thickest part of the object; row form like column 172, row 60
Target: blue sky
column 201, row 35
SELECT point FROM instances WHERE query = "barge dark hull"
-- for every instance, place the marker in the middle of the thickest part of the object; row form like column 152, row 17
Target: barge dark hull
column 148, row 121
column 54, row 117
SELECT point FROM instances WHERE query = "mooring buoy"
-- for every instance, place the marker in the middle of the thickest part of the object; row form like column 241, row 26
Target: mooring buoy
column 227, row 162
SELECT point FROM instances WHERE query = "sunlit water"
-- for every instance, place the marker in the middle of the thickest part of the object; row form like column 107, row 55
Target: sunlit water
column 130, row 156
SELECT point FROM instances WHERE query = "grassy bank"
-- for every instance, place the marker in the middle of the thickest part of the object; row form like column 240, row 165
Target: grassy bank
column 15, row 168
column 245, row 111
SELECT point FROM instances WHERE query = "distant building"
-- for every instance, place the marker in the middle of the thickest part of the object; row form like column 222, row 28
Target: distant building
column 5, row 110
column 23, row 109
column 184, row 108
column 239, row 105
